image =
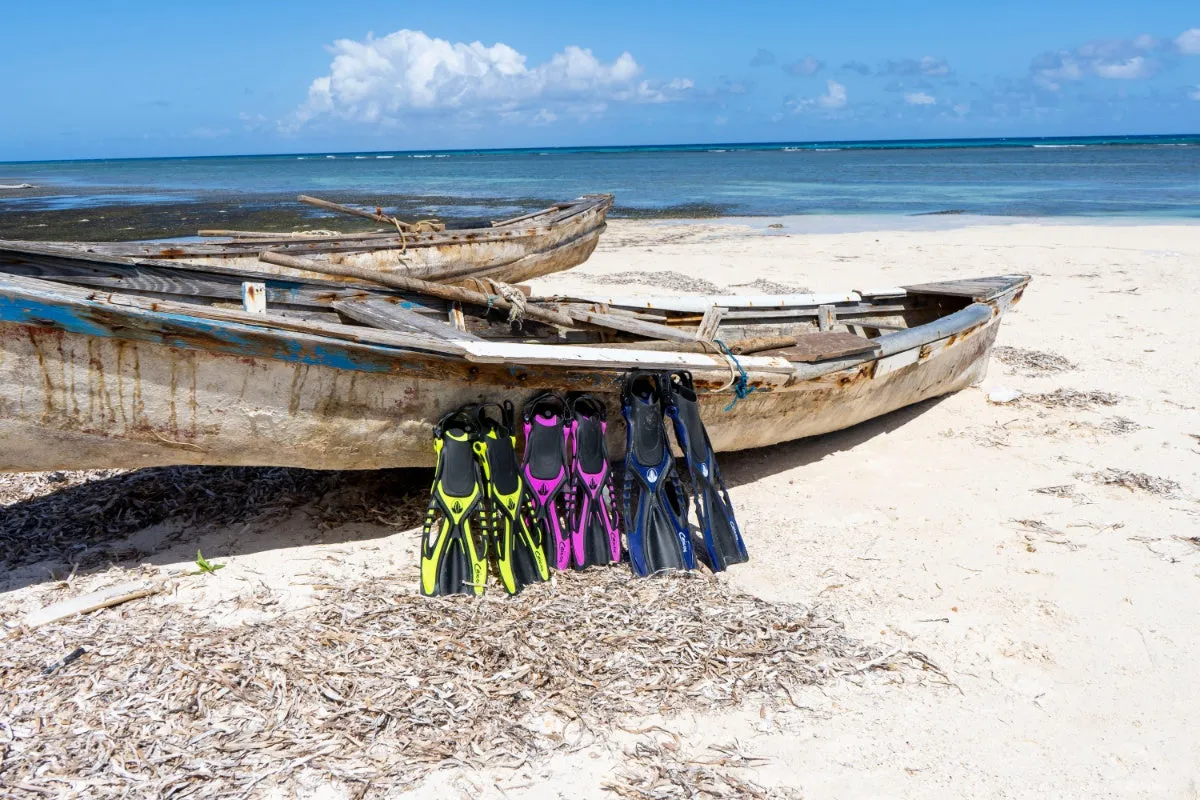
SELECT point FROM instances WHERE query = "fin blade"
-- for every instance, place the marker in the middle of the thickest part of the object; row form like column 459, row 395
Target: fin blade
column 714, row 510
column 455, row 560
column 657, row 535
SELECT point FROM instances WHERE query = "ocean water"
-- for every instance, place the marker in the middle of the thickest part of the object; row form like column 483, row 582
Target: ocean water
column 1155, row 176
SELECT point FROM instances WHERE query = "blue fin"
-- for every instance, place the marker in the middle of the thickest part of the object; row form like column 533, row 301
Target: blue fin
column 656, row 531
column 722, row 537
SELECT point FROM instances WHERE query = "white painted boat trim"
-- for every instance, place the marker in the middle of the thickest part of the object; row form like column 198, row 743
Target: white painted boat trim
column 886, row 291
column 485, row 352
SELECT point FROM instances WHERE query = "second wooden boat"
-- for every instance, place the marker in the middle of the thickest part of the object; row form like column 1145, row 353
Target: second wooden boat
column 512, row 250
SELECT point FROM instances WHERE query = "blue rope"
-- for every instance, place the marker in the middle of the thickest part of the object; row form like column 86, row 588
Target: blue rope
column 741, row 387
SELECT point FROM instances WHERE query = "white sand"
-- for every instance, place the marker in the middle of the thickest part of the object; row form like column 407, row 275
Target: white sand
column 1072, row 649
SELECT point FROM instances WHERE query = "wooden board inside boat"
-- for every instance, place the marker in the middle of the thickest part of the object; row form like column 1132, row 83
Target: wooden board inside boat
column 825, row 346
column 977, row 289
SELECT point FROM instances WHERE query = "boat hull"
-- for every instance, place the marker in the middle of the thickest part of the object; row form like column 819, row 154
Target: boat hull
column 512, row 252
column 531, row 253
column 83, row 401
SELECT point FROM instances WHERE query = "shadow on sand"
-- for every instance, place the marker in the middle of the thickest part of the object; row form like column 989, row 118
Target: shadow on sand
column 86, row 526
column 745, row 466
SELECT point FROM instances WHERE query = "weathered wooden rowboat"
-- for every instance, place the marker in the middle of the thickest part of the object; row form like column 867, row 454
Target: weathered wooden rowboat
column 136, row 365
column 513, row 250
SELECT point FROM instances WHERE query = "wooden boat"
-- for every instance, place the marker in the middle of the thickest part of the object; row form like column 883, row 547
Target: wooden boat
column 512, row 250
column 131, row 365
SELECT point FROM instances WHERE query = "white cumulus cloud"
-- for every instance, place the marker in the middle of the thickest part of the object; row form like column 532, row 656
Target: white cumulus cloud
column 919, row 99
column 834, row 97
column 1188, row 42
column 1050, row 70
column 408, row 72
column 1127, row 70
column 1115, row 59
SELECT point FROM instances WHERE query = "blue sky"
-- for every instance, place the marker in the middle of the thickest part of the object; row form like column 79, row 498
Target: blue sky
column 125, row 79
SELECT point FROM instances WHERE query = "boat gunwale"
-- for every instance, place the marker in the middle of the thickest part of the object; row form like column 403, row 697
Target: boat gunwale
column 761, row 372
column 51, row 430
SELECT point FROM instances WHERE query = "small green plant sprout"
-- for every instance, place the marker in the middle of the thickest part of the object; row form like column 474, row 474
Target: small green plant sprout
column 205, row 565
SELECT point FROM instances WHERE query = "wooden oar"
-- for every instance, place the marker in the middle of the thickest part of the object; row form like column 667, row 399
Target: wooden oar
column 416, row 285
column 358, row 212
column 330, row 206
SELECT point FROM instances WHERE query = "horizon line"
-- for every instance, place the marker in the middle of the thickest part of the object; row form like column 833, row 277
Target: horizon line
column 862, row 144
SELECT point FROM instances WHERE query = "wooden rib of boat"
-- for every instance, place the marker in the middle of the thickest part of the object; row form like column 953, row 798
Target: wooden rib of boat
column 513, row 250
column 131, row 365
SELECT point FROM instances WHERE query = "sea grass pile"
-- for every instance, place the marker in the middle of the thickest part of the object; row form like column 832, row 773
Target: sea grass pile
column 377, row 687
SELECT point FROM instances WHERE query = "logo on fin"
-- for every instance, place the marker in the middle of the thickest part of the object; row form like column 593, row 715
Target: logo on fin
column 457, row 507
column 651, row 475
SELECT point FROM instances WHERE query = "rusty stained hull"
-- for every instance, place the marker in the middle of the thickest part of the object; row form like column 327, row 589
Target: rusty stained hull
column 84, row 402
column 511, row 254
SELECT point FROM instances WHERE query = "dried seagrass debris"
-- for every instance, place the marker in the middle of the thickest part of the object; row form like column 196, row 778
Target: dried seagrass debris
column 1064, row 490
column 664, row 279
column 1032, row 362
column 1038, row 526
column 1071, row 398
column 1120, row 426
column 1133, row 481
column 1112, row 426
column 659, row 770
column 379, row 687
column 769, row 287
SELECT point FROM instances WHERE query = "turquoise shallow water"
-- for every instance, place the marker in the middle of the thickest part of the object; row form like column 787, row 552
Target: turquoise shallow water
column 1138, row 176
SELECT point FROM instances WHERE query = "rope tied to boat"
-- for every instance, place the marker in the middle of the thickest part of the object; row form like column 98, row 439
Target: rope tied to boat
column 739, row 381
column 403, row 241
column 420, row 226
column 515, row 298
column 713, row 350
column 496, row 290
